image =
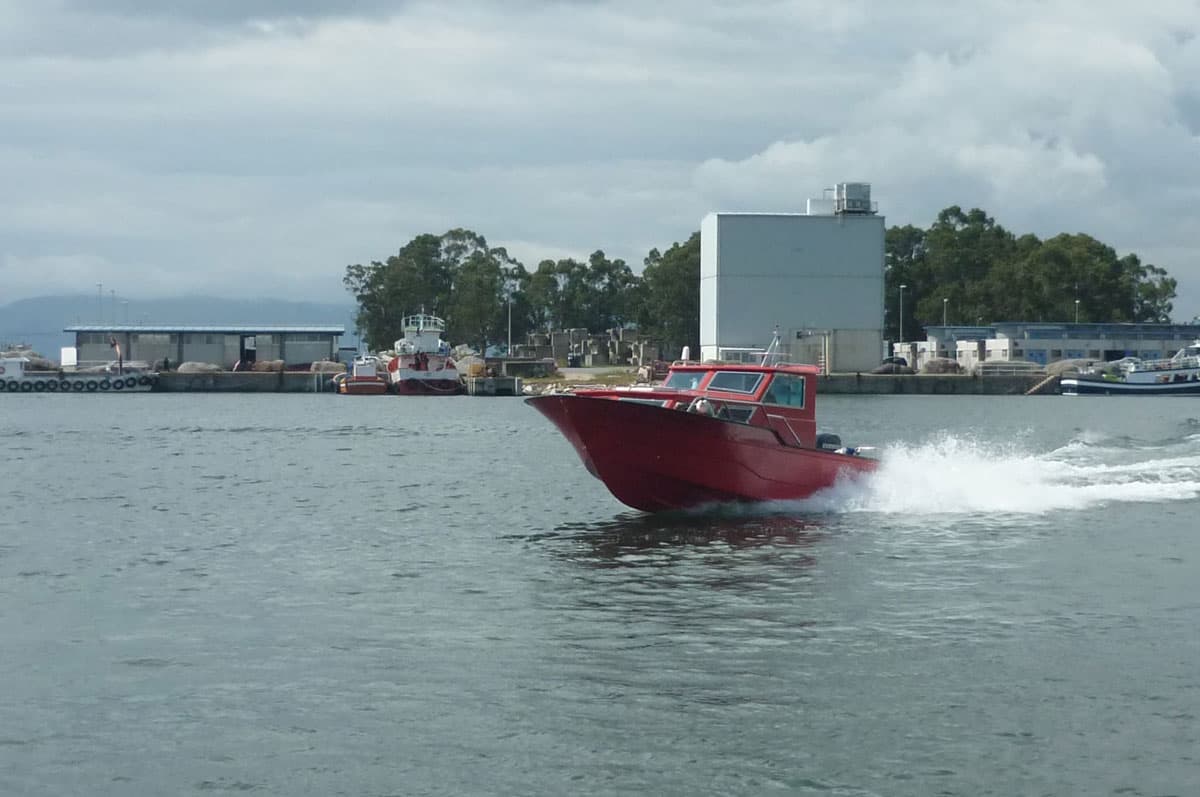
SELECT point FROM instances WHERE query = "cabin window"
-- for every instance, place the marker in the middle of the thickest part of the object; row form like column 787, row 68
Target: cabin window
column 786, row 390
column 733, row 411
column 735, row 381
column 684, row 380
column 651, row 402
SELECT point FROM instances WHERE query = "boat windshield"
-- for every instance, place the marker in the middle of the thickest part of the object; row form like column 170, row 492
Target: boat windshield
column 735, row 381
column 684, row 380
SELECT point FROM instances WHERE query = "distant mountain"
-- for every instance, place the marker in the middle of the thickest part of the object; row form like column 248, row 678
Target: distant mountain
column 39, row 321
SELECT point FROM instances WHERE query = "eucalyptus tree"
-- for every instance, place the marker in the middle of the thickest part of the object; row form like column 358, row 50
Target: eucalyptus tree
column 455, row 275
column 668, row 302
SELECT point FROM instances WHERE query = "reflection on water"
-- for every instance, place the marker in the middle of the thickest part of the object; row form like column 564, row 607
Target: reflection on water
column 612, row 539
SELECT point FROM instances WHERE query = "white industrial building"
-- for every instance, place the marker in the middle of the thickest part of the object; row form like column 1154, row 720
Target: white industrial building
column 1037, row 344
column 226, row 346
column 817, row 277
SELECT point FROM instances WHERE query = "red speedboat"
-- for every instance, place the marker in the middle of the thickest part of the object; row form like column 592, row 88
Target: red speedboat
column 709, row 433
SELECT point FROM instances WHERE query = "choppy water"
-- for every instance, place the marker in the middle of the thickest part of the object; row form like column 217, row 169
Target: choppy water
column 379, row 596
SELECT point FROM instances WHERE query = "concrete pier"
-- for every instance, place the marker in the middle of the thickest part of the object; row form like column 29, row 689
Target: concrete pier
column 927, row 384
column 493, row 385
column 245, row 382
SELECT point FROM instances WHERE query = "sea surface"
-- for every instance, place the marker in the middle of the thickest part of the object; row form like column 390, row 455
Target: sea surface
column 319, row 595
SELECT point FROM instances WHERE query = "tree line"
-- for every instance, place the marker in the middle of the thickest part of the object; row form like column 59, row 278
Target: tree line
column 479, row 290
column 968, row 269
column 964, row 268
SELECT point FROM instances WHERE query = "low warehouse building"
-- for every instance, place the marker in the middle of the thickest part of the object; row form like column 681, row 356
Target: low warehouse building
column 227, row 346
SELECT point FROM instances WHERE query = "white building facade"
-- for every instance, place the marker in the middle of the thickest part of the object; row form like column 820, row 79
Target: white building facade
column 220, row 345
column 1040, row 343
column 816, row 277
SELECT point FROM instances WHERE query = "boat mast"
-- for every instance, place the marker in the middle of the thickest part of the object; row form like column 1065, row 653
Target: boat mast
column 772, row 350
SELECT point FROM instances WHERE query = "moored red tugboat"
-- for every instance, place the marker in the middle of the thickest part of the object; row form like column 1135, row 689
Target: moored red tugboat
column 422, row 365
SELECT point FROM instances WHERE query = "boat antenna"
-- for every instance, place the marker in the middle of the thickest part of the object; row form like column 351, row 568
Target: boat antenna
column 772, row 350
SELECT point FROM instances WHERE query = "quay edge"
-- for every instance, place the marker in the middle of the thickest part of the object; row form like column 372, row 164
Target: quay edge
column 830, row 384
column 928, row 384
column 244, row 382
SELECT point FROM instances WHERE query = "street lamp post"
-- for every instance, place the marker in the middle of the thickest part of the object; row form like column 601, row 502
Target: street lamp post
column 1076, row 311
column 100, row 302
column 945, row 302
column 900, row 331
column 509, row 289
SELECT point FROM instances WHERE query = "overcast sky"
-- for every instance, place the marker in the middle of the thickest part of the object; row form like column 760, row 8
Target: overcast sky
column 256, row 147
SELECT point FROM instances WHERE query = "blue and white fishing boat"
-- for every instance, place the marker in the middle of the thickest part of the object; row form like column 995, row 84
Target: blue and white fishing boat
column 1178, row 376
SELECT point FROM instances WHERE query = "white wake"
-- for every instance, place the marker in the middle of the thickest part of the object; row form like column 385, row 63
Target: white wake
column 951, row 475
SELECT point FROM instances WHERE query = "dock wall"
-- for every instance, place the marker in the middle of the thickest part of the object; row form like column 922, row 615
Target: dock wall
column 926, row 384
column 244, row 382
column 832, row 384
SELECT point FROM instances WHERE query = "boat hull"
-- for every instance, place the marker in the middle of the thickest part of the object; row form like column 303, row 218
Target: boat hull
column 428, row 387
column 362, row 387
column 1100, row 387
column 654, row 459
column 79, row 383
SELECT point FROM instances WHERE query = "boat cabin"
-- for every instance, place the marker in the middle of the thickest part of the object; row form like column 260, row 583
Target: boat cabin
column 1183, row 367
column 781, row 397
column 12, row 368
column 365, row 368
column 423, row 335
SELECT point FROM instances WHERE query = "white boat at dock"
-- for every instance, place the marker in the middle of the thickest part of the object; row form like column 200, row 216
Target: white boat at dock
column 1178, row 376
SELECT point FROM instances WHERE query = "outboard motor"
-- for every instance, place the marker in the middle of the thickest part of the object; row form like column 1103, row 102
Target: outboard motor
column 828, row 442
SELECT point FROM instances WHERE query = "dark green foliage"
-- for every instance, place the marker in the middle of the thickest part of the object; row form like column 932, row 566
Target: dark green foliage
column 985, row 273
column 669, row 304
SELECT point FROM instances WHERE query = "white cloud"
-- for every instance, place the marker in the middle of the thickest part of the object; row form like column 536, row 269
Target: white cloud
column 182, row 149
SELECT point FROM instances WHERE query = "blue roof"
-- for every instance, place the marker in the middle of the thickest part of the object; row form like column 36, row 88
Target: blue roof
column 260, row 329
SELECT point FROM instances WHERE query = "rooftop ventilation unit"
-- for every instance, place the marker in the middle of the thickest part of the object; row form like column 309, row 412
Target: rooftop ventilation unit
column 852, row 198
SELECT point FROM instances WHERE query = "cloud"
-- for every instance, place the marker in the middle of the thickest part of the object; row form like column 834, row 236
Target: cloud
column 179, row 146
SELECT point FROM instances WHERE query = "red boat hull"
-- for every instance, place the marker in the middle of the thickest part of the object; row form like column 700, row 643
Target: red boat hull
column 362, row 387
column 656, row 459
